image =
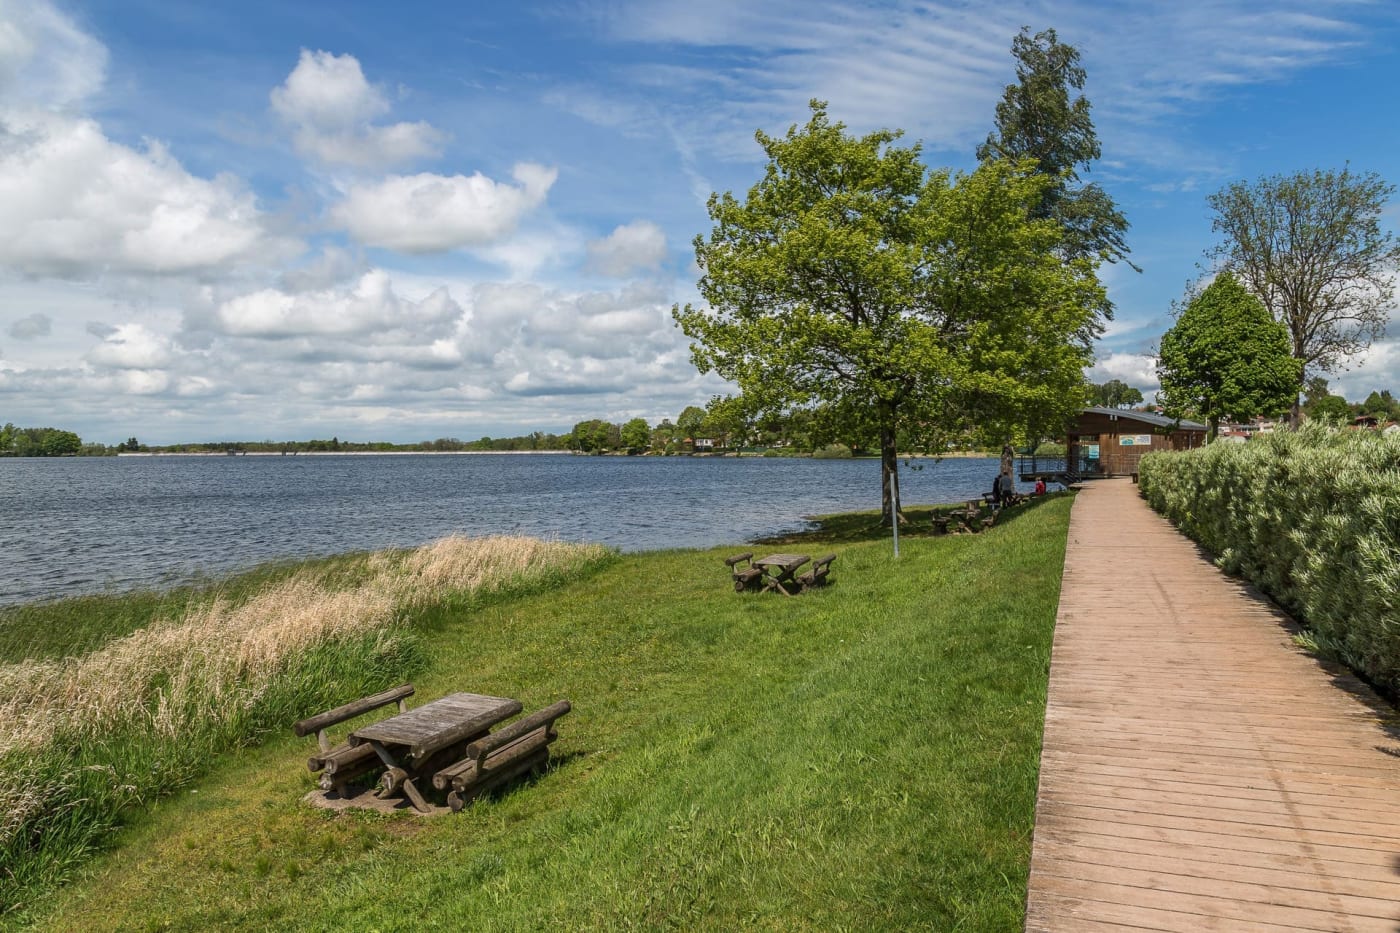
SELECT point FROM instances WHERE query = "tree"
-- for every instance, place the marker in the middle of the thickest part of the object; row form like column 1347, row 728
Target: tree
column 592, row 435
column 1310, row 247
column 1381, row 405
column 690, row 421
column 1116, row 394
column 636, row 434
column 1037, row 119
column 1226, row 357
column 852, row 285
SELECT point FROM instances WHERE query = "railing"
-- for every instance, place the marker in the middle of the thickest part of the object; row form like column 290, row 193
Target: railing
column 1051, row 467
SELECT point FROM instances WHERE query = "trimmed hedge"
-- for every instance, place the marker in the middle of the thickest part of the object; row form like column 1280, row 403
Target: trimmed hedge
column 1312, row 518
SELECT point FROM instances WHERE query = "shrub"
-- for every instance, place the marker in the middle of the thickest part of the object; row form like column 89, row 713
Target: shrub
column 1313, row 519
column 832, row 452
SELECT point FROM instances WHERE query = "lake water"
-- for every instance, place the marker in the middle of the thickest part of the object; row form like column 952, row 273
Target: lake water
column 72, row 526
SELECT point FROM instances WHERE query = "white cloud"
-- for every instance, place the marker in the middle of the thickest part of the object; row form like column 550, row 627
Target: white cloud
column 428, row 213
column 132, row 346
column 1138, row 370
column 46, row 61
column 331, row 106
column 370, row 305
column 75, row 204
column 27, row 328
column 638, row 246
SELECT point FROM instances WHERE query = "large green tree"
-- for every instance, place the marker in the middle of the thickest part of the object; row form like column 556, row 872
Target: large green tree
column 1226, row 357
column 636, row 434
column 1042, row 117
column 853, row 283
column 1310, row 247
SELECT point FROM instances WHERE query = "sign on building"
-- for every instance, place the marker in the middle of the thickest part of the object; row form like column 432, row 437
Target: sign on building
column 1135, row 440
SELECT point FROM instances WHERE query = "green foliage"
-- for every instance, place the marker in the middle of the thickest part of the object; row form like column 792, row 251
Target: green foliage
column 1226, row 358
column 1313, row 518
column 38, row 442
column 1115, row 394
column 1310, row 246
column 1331, row 409
column 1382, row 405
column 832, row 452
column 1036, row 119
column 852, row 284
column 636, row 434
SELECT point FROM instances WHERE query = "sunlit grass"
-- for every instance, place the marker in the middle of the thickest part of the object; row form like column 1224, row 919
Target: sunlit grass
column 87, row 736
column 861, row 757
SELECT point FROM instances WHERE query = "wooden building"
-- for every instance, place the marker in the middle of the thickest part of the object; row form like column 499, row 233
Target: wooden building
column 1106, row 442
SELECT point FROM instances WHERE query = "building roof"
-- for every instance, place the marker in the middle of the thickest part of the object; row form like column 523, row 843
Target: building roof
column 1146, row 417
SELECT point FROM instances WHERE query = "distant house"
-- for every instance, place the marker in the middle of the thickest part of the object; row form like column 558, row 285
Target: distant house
column 1104, row 442
column 703, row 443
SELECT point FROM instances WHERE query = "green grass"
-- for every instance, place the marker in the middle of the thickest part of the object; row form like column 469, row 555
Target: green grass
column 862, row 757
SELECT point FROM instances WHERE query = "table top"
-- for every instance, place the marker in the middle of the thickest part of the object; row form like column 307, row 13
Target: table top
column 786, row 561
column 424, row 722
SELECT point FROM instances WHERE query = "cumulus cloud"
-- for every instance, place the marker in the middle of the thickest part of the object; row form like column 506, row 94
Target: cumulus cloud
column 429, row 213
column 370, row 305
column 331, row 108
column 634, row 247
column 27, row 328
column 1138, row 370
column 133, row 347
column 77, row 204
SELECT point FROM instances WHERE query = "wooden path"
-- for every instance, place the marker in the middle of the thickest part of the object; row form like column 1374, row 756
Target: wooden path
column 1200, row 772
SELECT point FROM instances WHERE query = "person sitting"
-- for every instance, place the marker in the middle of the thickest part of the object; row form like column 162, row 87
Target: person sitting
column 996, row 490
column 1040, row 486
column 1008, row 489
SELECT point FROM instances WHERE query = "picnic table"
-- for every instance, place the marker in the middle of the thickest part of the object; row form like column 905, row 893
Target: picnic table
column 780, row 572
column 422, row 740
column 447, row 743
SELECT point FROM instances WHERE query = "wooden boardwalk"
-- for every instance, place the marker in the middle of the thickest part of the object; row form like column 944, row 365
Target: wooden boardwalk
column 1200, row 772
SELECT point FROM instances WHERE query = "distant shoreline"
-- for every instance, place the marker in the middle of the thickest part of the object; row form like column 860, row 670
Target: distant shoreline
column 340, row 453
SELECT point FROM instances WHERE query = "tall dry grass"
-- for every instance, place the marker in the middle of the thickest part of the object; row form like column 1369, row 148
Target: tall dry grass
column 84, row 737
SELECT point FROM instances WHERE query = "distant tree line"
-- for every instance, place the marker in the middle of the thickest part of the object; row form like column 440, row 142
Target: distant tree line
column 43, row 442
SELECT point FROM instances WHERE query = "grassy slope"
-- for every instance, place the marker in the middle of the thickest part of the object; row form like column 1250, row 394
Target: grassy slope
column 863, row 757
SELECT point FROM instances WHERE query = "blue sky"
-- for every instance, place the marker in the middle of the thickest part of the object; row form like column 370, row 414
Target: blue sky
column 278, row 220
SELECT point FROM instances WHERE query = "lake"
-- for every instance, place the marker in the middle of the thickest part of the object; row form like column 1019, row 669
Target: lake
column 81, row 525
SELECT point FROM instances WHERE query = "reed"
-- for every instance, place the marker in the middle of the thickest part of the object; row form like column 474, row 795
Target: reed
column 84, row 737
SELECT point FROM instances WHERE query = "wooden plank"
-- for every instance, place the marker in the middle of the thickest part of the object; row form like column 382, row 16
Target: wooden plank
column 429, row 722
column 1199, row 771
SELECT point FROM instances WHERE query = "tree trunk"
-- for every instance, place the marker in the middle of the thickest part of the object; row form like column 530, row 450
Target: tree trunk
column 889, row 468
column 1008, row 468
column 1212, row 428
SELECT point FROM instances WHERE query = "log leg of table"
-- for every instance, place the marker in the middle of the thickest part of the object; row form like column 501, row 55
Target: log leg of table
column 397, row 776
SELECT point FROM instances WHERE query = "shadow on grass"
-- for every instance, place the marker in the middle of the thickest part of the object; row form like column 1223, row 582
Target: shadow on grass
column 856, row 527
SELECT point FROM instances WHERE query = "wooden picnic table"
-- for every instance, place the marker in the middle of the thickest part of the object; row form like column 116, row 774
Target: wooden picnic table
column 418, row 742
column 779, row 571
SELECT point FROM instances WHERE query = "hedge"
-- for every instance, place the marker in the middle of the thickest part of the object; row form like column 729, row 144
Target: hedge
column 1312, row 518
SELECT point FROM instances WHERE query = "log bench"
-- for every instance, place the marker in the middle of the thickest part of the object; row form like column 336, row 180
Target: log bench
column 747, row 576
column 345, row 762
column 817, row 575
column 490, row 762
column 940, row 523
